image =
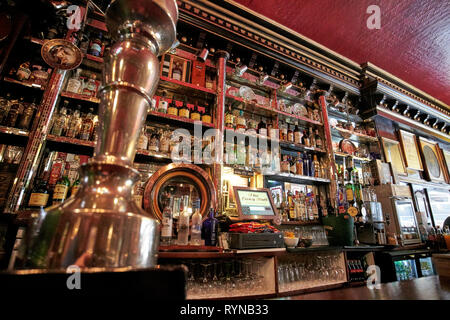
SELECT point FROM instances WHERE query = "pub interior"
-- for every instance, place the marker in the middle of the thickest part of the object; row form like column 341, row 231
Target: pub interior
column 205, row 145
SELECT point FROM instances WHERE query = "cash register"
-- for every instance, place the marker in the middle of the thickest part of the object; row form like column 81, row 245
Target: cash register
column 250, row 230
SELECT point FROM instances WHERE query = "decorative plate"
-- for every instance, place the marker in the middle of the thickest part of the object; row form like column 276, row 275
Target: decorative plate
column 61, row 54
column 347, row 146
column 432, row 162
column 300, row 110
column 247, row 93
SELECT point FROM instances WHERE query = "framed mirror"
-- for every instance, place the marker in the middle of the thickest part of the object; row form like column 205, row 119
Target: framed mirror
column 185, row 184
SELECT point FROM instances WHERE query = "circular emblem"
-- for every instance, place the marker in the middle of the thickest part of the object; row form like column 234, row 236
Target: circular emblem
column 61, row 54
column 432, row 162
column 352, row 211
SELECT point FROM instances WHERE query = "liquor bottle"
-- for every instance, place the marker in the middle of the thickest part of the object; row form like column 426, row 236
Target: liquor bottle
column 293, row 165
column 15, row 110
column 305, row 165
column 297, row 135
column 87, row 126
column 195, row 114
column 172, row 109
column 96, row 45
column 73, row 129
column 27, row 115
column 206, row 116
column 5, row 104
column 316, row 167
column 164, row 145
column 302, row 207
column 196, row 229
column 210, row 229
column 62, row 187
column 143, row 140
column 39, row 195
column 319, row 142
column 177, row 72
column 75, row 187
column 167, row 223
column 290, row 134
column 285, row 166
column 74, row 83
column 291, row 204
column 283, row 131
column 229, row 118
column 183, row 223
column 310, row 166
column 162, row 105
column 321, row 210
column 305, row 139
column 312, row 138
column 241, row 125
column 184, row 111
column 299, row 164
column 262, row 128
column 84, row 44
column 154, row 142
column 350, row 193
column 90, row 88
column 60, row 121
column 314, row 208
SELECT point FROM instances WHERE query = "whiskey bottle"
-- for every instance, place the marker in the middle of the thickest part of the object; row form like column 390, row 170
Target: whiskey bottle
column 319, row 142
column 195, row 114
column 60, row 122
column 14, row 112
column 87, row 126
column 73, row 129
column 312, row 138
column 290, row 134
column 184, row 110
column 143, row 140
column 74, row 83
column 5, row 104
column 229, row 118
column 167, row 223
column 305, row 139
column 163, row 104
column 262, row 128
column 241, row 122
column 297, row 135
column 172, row 108
column 299, row 164
column 316, row 167
column 27, row 115
column 62, row 187
column 177, row 72
column 39, row 195
column 96, row 45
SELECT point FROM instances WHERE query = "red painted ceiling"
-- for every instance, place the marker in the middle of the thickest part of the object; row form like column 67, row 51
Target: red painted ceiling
column 413, row 42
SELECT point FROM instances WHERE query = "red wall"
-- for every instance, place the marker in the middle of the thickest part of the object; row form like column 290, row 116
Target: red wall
column 413, row 42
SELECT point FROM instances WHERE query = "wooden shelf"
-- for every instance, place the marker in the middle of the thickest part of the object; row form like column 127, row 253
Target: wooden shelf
column 168, row 82
column 72, row 141
column 14, row 131
column 294, row 178
column 81, row 97
column 268, row 252
column 354, row 135
column 24, row 83
column 299, row 147
column 157, row 114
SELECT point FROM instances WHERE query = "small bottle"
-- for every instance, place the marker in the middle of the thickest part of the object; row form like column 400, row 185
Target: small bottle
column 299, row 164
column 209, row 229
column 74, row 83
column 90, row 89
column 39, row 195
column 74, row 124
column 316, row 167
column 167, row 223
column 5, row 104
column 240, row 122
column 163, row 104
column 87, row 126
column 14, row 112
column 319, row 142
column 177, row 72
column 172, row 109
column 290, row 135
column 59, row 124
column 27, row 115
column 262, row 128
column 196, row 229
column 183, row 223
column 297, row 135
column 96, row 45
column 206, row 116
column 143, row 140
column 62, row 187
column 195, row 114
column 75, row 187
column 305, row 139
column 229, row 118
column 184, row 110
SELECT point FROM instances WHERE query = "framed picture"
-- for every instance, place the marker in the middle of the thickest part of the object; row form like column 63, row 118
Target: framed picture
column 410, row 150
column 393, row 155
column 433, row 163
column 446, row 163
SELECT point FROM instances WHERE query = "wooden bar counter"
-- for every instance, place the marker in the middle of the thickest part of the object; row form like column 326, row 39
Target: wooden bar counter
column 428, row 288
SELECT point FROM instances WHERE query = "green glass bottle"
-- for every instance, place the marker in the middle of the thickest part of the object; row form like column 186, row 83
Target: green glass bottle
column 62, row 187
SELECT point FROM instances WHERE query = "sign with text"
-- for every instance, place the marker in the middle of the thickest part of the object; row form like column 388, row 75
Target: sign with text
column 254, row 203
